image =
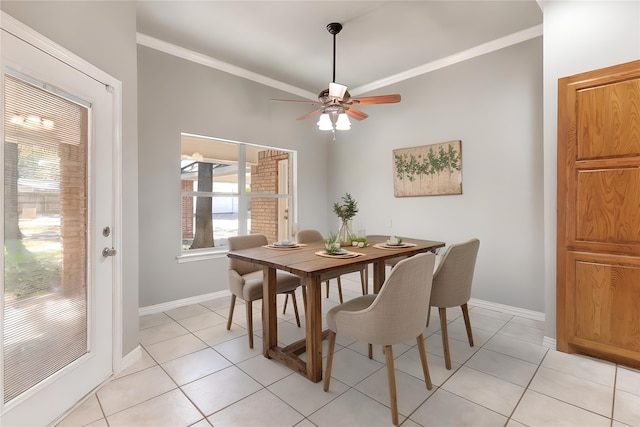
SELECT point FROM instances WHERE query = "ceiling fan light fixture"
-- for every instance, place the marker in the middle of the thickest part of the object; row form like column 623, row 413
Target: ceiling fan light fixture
column 324, row 123
column 343, row 122
column 337, row 91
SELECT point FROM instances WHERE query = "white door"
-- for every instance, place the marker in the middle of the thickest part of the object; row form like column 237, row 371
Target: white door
column 284, row 232
column 58, row 211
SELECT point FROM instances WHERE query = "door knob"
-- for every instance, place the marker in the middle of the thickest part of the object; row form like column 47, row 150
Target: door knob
column 108, row 252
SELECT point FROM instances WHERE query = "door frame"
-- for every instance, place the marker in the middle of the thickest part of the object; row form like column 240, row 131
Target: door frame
column 20, row 30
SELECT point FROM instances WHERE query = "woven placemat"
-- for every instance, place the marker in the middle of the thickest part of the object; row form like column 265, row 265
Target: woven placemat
column 348, row 254
column 394, row 247
column 285, row 248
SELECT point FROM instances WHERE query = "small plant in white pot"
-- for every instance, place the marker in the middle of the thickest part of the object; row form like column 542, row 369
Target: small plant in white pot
column 332, row 246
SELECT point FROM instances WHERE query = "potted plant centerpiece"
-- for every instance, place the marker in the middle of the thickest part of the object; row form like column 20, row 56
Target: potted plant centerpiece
column 345, row 211
column 332, row 246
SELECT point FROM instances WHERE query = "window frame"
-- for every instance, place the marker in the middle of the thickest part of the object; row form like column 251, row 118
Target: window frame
column 244, row 198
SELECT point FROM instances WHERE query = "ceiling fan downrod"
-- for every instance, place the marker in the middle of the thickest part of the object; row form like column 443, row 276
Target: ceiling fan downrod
column 334, row 28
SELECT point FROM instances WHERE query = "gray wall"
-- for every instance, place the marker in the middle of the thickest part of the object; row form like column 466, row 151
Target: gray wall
column 578, row 37
column 104, row 34
column 179, row 96
column 493, row 104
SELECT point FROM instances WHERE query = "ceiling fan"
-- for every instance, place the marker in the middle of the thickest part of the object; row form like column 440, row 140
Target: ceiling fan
column 335, row 103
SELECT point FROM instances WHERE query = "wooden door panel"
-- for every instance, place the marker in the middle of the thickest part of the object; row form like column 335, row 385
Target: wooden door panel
column 598, row 242
column 609, row 120
column 605, row 308
column 608, row 206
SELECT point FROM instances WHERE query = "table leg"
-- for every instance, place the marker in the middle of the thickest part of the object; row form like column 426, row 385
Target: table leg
column 379, row 273
column 314, row 328
column 269, row 311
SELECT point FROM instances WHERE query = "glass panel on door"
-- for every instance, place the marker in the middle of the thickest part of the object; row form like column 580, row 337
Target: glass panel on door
column 45, row 234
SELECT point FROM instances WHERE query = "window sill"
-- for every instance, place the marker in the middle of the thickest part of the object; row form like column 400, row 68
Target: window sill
column 202, row 256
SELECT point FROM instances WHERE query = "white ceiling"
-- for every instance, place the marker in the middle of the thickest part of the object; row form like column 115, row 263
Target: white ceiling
column 381, row 41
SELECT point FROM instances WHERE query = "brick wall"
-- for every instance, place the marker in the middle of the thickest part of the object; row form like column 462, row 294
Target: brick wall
column 264, row 179
column 73, row 221
column 187, row 211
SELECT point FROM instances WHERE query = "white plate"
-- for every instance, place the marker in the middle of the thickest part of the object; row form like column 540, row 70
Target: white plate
column 340, row 252
column 398, row 245
column 290, row 245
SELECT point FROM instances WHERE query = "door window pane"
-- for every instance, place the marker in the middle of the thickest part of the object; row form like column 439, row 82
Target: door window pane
column 45, row 234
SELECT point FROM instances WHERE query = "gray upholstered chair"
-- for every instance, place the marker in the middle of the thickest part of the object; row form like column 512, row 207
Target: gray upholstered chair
column 310, row 236
column 391, row 262
column 452, row 287
column 393, row 316
column 245, row 280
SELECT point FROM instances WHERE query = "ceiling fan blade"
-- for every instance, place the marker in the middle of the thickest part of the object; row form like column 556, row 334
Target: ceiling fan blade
column 306, row 116
column 355, row 114
column 298, row 101
column 382, row 99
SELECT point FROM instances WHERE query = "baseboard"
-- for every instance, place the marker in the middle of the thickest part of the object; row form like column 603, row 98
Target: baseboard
column 549, row 342
column 516, row 311
column 159, row 308
column 129, row 359
column 166, row 306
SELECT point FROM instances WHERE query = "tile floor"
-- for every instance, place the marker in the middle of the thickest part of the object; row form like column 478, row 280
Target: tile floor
column 196, row 373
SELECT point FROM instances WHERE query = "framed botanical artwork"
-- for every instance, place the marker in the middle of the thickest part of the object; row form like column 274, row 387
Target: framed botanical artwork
column 428, row 170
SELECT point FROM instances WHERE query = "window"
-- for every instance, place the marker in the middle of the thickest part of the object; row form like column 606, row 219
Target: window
column 233, row 188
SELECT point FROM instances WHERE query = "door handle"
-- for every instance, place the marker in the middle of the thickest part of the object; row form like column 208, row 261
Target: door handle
column 106, row 252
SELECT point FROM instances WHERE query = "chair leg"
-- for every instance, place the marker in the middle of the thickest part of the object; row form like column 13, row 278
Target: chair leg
column 370, row 351
column 445, row 336
column 327, row 371
column 423, row 359
column 295, row 307
column 467, row 323
column 231, row 307
column 428, row 315
column 393, row 398
column 340, row 289
column 364, row 281
column 327, row 282
column 286, row 299
column 249, row 306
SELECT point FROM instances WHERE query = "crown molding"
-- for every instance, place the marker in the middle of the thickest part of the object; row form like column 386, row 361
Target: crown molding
column 483, row 49
column 492, row 46
column 189, row 55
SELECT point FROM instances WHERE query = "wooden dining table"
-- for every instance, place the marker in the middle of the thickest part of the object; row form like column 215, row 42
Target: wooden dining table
column 311, row 264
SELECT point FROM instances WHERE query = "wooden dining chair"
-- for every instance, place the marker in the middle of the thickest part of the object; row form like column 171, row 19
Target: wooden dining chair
column 452, row 288
column 393, row 316
column 245, row 280
column 310, row 236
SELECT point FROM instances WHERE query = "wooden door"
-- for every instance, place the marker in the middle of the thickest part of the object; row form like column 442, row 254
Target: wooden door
column 598, row 242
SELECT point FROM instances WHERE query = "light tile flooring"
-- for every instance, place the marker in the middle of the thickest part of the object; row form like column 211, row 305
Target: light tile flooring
column 196, row 373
